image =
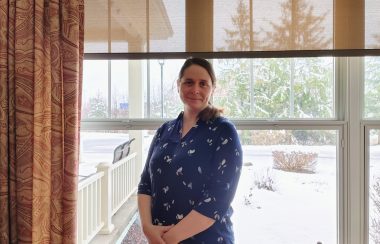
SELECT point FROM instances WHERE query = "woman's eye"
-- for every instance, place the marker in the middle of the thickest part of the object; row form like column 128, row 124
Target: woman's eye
column 203, row 84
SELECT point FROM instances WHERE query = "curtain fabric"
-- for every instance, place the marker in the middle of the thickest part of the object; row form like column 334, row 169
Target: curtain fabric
column 41, row 53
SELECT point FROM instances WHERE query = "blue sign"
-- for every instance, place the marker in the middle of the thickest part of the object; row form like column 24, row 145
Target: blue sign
column 124, row 106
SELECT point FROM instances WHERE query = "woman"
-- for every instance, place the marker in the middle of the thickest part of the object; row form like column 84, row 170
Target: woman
column 192, row 169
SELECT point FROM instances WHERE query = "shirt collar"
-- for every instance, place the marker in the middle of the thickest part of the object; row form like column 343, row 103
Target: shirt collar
column 175, row 134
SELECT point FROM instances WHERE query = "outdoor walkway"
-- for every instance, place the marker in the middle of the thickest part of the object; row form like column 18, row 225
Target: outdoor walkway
column 135, row 234
column 122, row 220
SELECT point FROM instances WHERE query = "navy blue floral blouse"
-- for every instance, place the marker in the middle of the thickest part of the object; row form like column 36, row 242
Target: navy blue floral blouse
column 198, row 172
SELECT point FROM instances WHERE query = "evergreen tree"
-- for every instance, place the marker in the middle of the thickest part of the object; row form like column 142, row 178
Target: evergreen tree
column 98, row 107
column 372, row 87
column 233, row 89
column 239, row 38
column 299, row 28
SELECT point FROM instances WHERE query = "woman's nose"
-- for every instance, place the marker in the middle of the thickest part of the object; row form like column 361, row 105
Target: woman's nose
column 196, row 89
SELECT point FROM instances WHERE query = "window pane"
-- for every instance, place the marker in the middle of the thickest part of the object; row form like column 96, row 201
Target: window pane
column 293, row 88
column 288, row 187
column 163, row 95
column 98, row 146
column 107, row 85
column 288, row 182
column 119, row 89
column 300, row 88
column 372, row 88
column 95, row 89
column 374, row 187
column 372, row 19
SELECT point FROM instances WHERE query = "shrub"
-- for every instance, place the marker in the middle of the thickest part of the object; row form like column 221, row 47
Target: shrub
column 295, row 161
column 374, row 231
column 248, row 198
column 264, row 181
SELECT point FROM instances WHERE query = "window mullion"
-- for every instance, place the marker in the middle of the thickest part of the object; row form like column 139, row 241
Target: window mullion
column 355, row 154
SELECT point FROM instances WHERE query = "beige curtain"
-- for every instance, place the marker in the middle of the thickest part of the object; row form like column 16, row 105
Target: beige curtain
column 41, row 52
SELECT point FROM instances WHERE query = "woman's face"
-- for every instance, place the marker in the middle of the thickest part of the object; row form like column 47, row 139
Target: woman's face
column 195, row 88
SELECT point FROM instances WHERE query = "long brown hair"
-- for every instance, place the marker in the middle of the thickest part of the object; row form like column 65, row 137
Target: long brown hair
column 210, row 112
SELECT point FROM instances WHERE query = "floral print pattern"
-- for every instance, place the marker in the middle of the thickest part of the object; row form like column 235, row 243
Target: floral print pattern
column 197, row 172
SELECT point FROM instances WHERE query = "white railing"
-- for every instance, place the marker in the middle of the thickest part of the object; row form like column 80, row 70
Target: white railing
column 123, row 182
column 102, row 194
column 89, row 207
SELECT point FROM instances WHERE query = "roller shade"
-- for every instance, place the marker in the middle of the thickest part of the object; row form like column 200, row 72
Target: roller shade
column 231, row 26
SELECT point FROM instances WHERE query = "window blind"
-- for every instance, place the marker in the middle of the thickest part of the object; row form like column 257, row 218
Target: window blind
column 241, row 27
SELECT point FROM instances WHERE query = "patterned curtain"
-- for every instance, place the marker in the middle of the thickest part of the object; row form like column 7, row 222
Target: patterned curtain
column 41, row 54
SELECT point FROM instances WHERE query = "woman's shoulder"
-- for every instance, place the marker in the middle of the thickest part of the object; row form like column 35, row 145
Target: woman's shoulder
column 225, row 129
column 169, row 125
column 222, row 124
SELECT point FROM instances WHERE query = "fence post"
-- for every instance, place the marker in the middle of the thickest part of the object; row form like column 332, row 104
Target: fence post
column 106, row 195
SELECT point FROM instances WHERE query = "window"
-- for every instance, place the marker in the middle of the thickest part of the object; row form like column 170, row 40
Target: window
column 256, row 93
column 134, row 50
column 288, row 185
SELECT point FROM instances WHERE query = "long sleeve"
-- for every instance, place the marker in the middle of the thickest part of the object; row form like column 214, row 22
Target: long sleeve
column 224, row 175
column 144, row 186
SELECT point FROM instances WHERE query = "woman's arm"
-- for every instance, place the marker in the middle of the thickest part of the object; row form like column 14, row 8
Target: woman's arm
column 144, row 205
column 189, row 226
column 152, row 232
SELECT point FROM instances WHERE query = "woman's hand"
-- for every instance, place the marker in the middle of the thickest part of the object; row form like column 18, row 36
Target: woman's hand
column 154, row 233
column 169, row 238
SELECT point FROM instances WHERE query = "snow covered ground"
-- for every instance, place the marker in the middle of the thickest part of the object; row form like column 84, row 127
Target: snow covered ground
column 303, row 207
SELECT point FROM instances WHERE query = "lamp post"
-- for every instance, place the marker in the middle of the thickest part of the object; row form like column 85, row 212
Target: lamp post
column 161, row 62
